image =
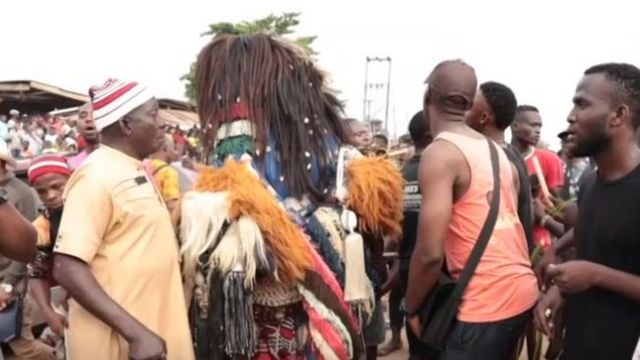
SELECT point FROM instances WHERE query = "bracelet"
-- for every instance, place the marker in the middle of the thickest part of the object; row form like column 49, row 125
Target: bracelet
column 407, row 313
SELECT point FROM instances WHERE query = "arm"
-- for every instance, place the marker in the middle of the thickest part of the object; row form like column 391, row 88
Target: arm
column 578, row 276
column 15, row 273
column 42, row 294
column 75, row 276
column 617, row 281
column 27, row 205
column 555, row 227
column 436, row 181
column 17, row 235
column 564, row 242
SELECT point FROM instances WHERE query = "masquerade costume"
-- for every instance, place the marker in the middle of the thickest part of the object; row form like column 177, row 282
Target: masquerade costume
column 273, row 264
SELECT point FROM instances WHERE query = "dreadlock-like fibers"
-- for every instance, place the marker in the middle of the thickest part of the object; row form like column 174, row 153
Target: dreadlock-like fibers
column 285, row 96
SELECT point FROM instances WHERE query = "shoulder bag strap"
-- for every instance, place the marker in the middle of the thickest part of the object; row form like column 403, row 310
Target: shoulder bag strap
column 487, row 228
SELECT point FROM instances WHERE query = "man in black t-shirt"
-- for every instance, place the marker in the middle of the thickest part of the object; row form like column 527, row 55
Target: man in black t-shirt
column 420, row 132
column 601, row 289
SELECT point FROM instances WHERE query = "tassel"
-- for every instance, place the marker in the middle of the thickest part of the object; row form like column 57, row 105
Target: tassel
column 357, row 286
column 357, row 289
column 238, row 316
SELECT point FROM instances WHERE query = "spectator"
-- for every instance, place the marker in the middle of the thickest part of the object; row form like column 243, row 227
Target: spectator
column 165, row 174
column 358, row 133
column 126, row 234
column 456, row 181
column 48, row 175
column 545, row 165
column 14, row 118
column 89, row 137
column 13, row 273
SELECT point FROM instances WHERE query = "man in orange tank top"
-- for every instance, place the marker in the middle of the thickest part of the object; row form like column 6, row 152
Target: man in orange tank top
column 456, row 181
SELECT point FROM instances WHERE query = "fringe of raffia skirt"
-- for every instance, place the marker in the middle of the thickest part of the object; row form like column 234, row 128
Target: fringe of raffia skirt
column 238, row 316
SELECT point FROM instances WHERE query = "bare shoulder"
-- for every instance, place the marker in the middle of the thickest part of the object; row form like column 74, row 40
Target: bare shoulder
column 442, row 154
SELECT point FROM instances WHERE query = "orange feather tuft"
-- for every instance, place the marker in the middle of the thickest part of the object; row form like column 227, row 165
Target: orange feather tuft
column 249, row 196
column 375, row 188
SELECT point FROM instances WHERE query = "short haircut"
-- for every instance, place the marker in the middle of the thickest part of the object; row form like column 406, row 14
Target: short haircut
column 502, row 102
column 626, row 89
column 419, row 128
column 524, row 108
column 347, row 123
column 382, row 137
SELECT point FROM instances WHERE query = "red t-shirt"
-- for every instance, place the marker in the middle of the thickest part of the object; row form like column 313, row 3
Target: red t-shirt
column 553, row 171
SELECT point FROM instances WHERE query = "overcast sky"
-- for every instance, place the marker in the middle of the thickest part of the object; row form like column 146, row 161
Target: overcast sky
column 538, row 48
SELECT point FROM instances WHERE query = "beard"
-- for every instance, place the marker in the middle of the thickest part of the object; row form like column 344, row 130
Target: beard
column 592, row 145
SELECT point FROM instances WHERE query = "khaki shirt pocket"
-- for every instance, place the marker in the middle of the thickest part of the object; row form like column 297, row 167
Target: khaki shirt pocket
column 139, row 200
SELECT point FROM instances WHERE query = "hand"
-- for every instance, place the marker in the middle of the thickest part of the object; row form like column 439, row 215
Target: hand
column 147, row 346
column 57, row 323
column 548, row 257
column 573, row 276
column 546, row 310
column 5, row 298
column 539, row 209
column 415, row 324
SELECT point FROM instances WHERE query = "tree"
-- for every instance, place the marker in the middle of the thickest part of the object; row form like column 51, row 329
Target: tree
column 274, row 25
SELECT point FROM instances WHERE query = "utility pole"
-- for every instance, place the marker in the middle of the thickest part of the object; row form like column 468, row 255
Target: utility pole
column 366, row 87
column 386, row 110
column 366, row 116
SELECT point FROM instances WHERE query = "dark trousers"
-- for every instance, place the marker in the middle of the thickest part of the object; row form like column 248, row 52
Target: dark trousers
column 491, row 341
column 416, row 347
column 396, row 317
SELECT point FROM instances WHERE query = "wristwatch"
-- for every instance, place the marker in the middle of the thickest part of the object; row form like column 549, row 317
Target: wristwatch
column 4, row 196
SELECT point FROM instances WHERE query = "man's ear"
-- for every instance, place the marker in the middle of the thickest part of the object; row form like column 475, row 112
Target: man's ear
column 484, row 118
column 621, row 114
column 125, row 126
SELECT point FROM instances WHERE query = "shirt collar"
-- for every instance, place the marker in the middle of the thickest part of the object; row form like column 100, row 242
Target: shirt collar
column 121, row 155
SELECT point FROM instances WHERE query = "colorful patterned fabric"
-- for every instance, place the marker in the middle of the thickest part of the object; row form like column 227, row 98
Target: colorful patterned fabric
column 277, row 332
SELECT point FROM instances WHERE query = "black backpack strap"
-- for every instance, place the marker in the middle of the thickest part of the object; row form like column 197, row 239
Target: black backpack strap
column 487, row 228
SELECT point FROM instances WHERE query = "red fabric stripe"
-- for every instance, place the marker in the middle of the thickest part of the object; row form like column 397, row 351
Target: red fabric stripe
column 33, row 176
column 326, row 330
column 109, row 99
column 325, row 273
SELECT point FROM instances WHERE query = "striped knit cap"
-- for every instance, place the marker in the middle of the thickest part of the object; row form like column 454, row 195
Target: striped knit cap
column 48, row 164
column 115, row 99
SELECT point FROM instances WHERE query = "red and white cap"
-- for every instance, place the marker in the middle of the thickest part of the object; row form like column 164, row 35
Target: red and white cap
column 115, row 99
column 48, row 164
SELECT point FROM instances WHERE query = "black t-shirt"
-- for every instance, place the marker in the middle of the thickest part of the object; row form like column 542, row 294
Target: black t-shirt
column 411, row 208
column 601, row 324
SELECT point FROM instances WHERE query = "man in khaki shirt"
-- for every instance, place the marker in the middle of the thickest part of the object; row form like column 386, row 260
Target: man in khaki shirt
column 116, row 252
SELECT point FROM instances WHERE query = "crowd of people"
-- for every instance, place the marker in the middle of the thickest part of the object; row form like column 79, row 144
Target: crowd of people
column 274, row 246
column 31, row 135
